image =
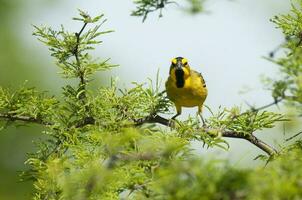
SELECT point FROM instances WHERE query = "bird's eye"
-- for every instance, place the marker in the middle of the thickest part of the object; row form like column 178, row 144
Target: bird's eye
column 185, row 63
column 174, row 61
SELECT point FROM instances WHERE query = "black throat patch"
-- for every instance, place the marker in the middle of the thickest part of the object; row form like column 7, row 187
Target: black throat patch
column 180, row 81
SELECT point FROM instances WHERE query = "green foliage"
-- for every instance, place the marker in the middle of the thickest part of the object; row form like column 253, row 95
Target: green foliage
column 145, row 7
column 190, row 130
column 245, row 123
column 27, row 102
column 290, row 23
column 200, row 180
column 70, row 49
column 194, row 179
column 289, row 86
column 104, row 144
column 196, row 6
column 281, row 179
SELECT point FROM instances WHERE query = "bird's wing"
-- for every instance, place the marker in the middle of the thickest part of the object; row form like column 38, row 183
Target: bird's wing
column 201, row 77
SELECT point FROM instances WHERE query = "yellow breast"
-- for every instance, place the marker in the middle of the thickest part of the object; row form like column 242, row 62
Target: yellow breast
column 193, row 93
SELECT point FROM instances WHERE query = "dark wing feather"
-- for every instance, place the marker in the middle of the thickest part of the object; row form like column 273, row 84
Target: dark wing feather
column 202, row 80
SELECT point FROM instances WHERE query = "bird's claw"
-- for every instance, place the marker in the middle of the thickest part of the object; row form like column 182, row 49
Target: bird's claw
column 171, row 123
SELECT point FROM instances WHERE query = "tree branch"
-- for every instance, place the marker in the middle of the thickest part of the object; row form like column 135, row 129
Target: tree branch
column 24, row 119
column 79, row 67
column 81, row 73
column 252, row 139
column 154, row 118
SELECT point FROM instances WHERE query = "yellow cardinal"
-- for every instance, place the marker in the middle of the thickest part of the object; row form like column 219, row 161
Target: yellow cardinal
column 185, row 87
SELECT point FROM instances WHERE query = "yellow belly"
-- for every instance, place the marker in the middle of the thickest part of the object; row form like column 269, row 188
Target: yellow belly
column 192, row 94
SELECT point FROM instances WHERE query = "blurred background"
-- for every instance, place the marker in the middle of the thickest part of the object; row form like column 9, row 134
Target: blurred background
column 227, row 44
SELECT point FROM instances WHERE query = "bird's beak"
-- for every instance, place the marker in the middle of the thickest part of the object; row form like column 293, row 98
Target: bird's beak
column 178, row 66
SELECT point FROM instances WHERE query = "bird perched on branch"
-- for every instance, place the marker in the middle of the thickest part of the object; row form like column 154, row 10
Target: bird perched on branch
column 185, row 87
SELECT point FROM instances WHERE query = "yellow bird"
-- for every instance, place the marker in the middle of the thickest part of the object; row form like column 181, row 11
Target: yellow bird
column 185, row 87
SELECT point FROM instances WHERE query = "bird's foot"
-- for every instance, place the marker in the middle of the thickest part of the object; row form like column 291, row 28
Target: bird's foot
column 172, row 123
column 204, row 125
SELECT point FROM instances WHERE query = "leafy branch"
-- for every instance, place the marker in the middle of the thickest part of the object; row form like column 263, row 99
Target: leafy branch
column 145, row 7
column 63, row 45
column 262, row 120
column 227, row 123
column 289, row 85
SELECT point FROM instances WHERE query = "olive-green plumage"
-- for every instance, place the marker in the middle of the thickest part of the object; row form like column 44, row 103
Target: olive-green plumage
column 185, row 87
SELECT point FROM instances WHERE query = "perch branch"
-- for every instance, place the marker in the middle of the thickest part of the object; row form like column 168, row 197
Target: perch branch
column 154, row 118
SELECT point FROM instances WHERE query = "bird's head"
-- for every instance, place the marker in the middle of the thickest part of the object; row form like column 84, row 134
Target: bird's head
column 180, row 66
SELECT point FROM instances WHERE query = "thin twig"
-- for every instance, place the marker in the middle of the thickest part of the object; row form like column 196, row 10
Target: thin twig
column 268, row 105
column 79, row 67
column 81, row 73
column 275, row 102
column 292, row 137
